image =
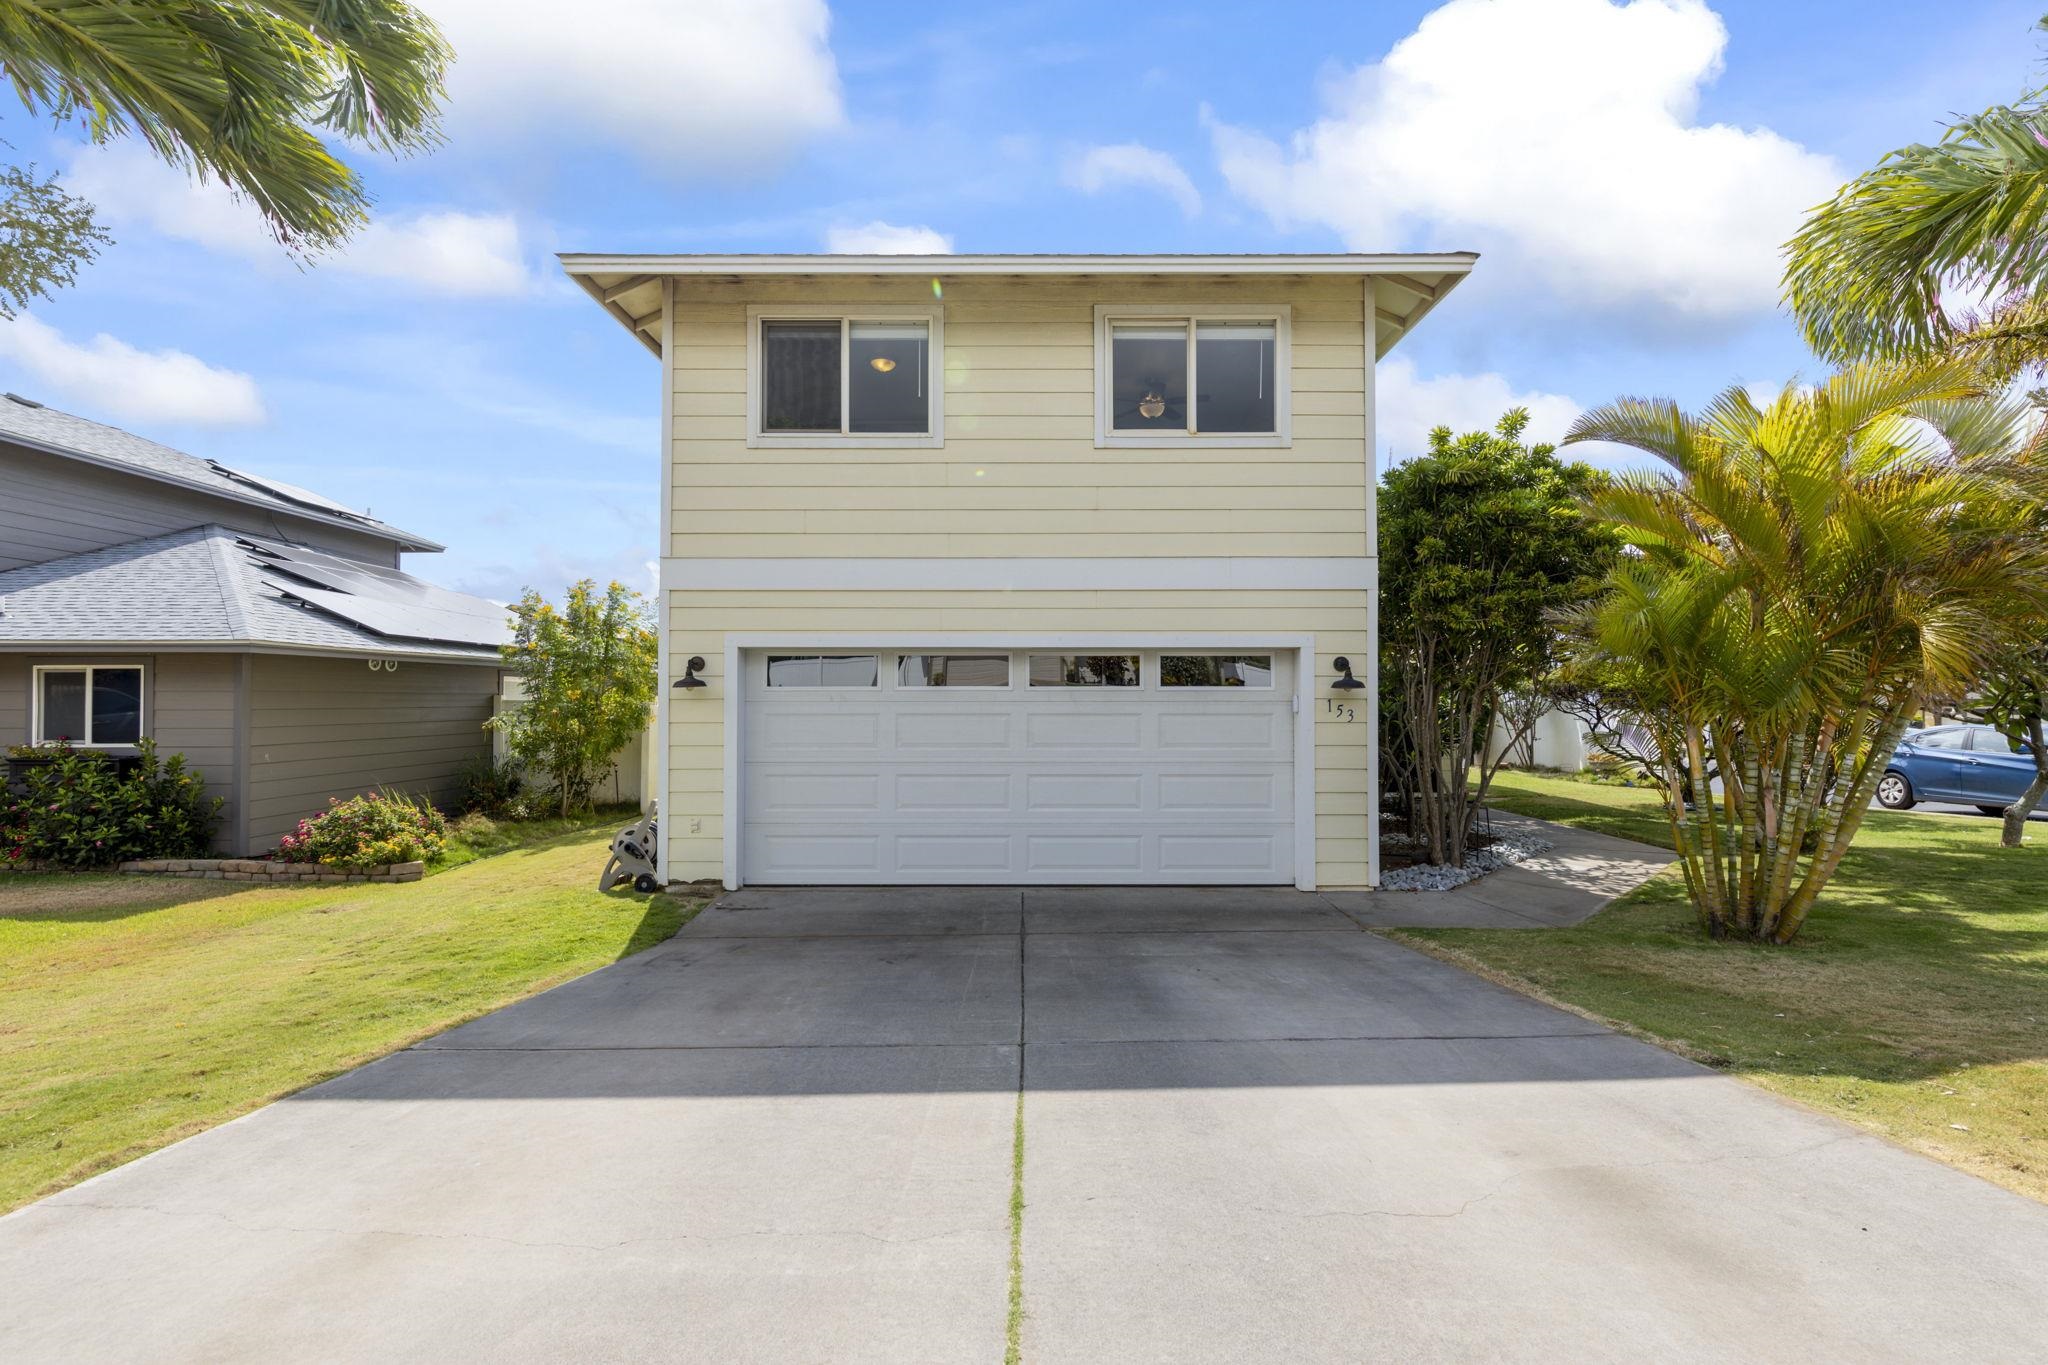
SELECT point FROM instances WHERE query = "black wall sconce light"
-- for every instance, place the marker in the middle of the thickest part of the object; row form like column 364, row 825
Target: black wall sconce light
column 690, row 670
column 1347, row 683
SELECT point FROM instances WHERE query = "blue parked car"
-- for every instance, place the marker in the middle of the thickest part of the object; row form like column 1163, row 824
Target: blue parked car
column 1972, row 765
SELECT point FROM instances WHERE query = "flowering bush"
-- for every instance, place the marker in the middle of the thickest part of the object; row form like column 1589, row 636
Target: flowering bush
column 78, row 809
column 368, row 831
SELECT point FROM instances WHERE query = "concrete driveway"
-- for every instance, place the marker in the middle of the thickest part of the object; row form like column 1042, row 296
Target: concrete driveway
column 1252, row 1132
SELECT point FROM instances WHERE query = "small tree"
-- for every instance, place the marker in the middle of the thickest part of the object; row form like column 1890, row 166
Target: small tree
column 589, row 675
column 1481, row 541
column 2014, row 699
column 1802, row 580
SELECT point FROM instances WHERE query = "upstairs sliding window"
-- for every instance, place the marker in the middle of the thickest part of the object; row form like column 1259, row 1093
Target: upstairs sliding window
column 844, row 380
column 1205, row 377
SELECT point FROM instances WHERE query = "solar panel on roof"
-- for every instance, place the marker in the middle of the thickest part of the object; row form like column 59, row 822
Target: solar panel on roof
column 381, row 600
column 290, row 492
column 401, row 620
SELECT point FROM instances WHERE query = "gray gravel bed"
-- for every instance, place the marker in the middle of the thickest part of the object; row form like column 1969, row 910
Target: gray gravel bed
column 1505, row 851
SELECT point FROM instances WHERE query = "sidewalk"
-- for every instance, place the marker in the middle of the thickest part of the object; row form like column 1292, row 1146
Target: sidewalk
column 1582, row 872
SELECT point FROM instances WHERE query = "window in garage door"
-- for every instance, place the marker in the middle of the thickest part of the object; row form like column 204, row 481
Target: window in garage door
column 1084, row 670
column 822, row 670
column 953, row 670
column 1215, row 670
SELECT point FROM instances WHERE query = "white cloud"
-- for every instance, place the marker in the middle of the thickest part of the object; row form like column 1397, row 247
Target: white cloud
column 1133, row 163
column 1409, row 405
column 442, row 251
column 887, row 239
column 710, row 84
column 449, row 252
column 1561, row 134
column 108, row 375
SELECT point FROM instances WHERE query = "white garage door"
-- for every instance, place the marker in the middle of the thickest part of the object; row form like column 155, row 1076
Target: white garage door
column 1031, row 766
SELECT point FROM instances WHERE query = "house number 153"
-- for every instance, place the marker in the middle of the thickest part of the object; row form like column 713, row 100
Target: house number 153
column 1341, row 710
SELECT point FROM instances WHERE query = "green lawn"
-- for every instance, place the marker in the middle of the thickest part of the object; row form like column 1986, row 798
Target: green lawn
column 135, row 1011
column 1915, row 1001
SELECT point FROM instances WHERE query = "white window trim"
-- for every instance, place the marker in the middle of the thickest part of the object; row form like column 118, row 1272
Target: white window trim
column 36, row 701
column 1279, row 314
column 846, row 315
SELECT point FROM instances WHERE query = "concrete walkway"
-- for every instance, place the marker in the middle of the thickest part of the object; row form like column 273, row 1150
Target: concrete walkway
column 1252, row 1132
column 1581, row 872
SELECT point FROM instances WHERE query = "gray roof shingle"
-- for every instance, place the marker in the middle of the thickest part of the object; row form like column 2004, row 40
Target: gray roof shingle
column 203, row 586
column 44, row 428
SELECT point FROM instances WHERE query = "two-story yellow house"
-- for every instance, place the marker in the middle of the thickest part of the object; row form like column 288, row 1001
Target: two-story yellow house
column 1019, row 569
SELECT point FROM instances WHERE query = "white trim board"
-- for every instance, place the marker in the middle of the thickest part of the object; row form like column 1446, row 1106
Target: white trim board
column 1340, row 263
column 1134, row 574
column 733, row 805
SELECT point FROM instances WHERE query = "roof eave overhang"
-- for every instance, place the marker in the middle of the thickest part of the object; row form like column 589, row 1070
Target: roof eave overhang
column 613, row 281
column 1339, row 263
column 395, row 650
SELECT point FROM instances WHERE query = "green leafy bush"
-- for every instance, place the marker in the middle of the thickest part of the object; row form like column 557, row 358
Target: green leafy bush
column 488, row 787
column 368, row 831
column 78, row 809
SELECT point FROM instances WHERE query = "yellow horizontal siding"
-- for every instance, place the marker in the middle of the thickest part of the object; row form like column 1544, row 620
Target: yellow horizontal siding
column 1003, row 494
column 699, row 622
column 1019, row 473
column 1065, row 524
column 693, row 453
column 730, row 486
column 799, row 544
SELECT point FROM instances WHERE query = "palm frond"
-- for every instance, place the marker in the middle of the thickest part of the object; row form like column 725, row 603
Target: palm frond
column 239, row 90
column 1865, row 274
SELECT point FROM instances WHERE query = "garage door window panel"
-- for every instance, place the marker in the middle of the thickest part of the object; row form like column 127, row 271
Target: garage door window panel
column 1084, row 670
column 953, row 670
column 823, row 670
column 1216, row 670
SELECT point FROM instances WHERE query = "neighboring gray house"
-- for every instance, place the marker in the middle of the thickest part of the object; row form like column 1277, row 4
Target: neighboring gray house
column 264, row 632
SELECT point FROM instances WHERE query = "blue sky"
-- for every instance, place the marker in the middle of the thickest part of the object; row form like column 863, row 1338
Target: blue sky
column 1626, row 169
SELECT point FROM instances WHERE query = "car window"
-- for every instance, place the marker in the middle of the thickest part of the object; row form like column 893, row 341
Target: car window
column 1985, row 740
column 1955, row 737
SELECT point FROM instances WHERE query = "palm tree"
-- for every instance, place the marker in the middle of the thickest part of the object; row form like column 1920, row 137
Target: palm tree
column 1969, row 215
column 1802, row 578
column 239, row 90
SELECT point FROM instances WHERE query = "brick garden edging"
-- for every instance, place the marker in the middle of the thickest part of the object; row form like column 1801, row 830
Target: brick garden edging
column 258, row 870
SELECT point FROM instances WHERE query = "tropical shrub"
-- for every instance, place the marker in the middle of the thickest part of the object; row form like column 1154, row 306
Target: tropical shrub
column 78, row 809
column 486, row 786
column 368, row 831
column 1803, row 580
column 588, row 672
column 1481, row 541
